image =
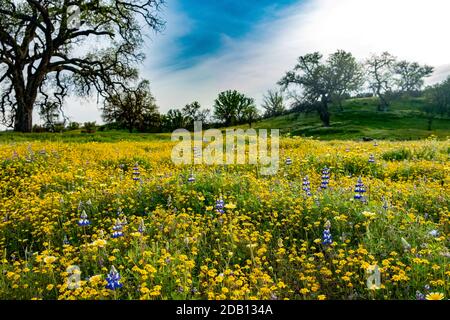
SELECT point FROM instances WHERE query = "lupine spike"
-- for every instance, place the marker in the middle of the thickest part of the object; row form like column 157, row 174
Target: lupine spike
column 220, row 204
column 327, row 239
column 325, row 178
column 136, row 172
column 113, row 279
column 288, row 161
column 360, row 189
column 117, row 228
column 83, row 221
column 65, row 240
column 307, row 186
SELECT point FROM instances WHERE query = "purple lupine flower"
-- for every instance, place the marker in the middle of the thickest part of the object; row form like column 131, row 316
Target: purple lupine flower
column 420, row 295
column 113, row 279
column 141, row 227
column 220, row 204
column 84, row 221
column 65, row 240
column 136, row 172
column 434, row 233
column 117, row 228
column 327, row 239
column 307, row 186
column 360, row 189
column 325, row 178
column 288, row 161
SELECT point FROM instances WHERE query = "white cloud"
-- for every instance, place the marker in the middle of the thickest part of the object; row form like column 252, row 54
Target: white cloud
column 409, row 29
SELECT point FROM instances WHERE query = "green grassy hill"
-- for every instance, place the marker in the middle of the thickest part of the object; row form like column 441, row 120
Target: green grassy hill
column 403, row 121
column 359, row 120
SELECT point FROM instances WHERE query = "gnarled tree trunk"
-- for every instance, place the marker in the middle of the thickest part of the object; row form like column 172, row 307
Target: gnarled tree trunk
column 324, row 113
column 23, row 121
column 25, row 98
column 23, row 117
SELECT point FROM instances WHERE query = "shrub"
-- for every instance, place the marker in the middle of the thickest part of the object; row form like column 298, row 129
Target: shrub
column 89, row 127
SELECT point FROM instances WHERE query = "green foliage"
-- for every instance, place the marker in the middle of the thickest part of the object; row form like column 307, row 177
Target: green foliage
column 321, row 83
column 49, row 113
column 232, row 107
column 438, row 101
column 397, row 155
column 133, row 108
column 89, row 127
column 192, row 112
column 50, row 66
column 73, row 126
column 273, row 104
column 380, row 71
column 411, row 75
column 174, row 119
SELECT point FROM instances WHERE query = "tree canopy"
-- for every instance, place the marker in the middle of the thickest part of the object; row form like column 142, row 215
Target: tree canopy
column 132, row 108
column 47, row 50
column 411, row 76
column 231, row 107
column 193, row 112
column 321, row 83
column 273, row 104
column 437, row 102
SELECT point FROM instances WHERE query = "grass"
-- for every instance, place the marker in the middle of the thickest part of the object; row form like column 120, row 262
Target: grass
column 360, row 120
column 78, row 136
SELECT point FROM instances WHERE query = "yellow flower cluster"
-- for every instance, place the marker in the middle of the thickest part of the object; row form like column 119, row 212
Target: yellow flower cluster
column 70, row 211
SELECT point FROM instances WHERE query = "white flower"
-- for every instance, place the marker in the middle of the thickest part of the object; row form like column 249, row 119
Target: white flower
column 434, row 233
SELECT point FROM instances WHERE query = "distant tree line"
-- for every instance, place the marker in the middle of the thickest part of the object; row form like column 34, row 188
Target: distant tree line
column 314, row 84
column 230, row 108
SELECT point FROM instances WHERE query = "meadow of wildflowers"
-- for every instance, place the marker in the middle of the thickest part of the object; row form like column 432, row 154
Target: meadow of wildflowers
column 121, row 221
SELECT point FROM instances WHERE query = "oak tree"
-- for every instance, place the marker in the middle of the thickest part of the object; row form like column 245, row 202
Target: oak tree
column 49, row 48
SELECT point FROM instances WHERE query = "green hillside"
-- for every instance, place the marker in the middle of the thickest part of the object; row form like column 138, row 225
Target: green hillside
column 359, row 120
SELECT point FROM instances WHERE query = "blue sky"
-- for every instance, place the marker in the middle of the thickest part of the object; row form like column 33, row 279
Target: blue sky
column 209, row 46
column 212, row 22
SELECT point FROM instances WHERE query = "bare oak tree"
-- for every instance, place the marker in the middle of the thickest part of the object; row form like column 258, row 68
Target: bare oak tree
column 273, row 104
column 47, row 50
column 131, row 107
column 380, row 71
